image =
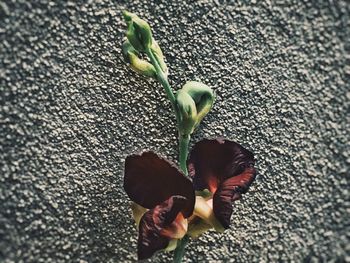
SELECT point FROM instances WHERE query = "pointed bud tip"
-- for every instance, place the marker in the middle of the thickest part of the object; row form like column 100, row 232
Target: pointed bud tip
column 127, row 15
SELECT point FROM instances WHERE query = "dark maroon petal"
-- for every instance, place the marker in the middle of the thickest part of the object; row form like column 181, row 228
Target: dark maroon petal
column 153, row 226
column 229, row 191
column 213, row 161
column 150, row 180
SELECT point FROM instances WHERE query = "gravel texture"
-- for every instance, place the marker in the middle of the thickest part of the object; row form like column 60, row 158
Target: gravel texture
column 71, row 111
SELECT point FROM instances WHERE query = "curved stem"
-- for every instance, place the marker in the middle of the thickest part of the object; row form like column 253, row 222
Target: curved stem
column 164, row 81
column 180, row 249
column 183, row 144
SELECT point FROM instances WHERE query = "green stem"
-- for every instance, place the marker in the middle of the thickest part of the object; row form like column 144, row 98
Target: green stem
column 184, row 140
column 164, row 81
column 180, row 249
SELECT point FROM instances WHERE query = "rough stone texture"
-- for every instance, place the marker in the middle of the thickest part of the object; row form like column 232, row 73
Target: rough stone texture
column 71, row 111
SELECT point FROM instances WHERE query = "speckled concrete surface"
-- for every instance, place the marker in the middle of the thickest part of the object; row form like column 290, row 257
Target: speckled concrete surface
column 71, row 112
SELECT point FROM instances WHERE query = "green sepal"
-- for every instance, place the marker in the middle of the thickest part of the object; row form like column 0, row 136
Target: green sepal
column 194, row 101
column 159, row 56
column 188, row 112
column 172, row 245
column 205, row 193
column 197, row 227
column 139, row 32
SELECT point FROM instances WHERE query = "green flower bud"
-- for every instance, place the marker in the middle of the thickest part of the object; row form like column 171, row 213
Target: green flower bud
column 139, row 32
column 194, row 101
column 139, row 65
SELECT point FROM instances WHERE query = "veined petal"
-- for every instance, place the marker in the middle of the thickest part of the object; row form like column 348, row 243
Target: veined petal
column 150, row 180
column 229, row 191
column 213, row 161
column 160, row 225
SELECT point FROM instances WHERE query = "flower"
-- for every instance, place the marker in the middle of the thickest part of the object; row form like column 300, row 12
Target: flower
column 163, row 200
column 165, row 207
column 222, row 171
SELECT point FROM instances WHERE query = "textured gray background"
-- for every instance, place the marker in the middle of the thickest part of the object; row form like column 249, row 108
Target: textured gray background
column 71, row 111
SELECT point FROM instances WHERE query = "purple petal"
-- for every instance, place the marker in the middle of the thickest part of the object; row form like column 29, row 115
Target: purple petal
column 213, row 161
column 150, row 180
column 229, row 191
column 158, row 226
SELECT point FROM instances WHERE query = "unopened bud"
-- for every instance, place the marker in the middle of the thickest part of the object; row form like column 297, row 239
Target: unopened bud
column 139, row 32
column 139, row 65
column 194, row 101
